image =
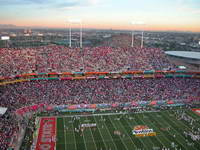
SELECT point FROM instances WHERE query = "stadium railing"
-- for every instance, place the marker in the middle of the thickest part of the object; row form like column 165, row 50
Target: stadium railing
column 98, row 75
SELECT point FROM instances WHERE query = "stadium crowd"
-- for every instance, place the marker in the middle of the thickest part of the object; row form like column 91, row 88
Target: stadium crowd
column 97, row 91
column 63, row 59
column 90, row 91
column 8, row 127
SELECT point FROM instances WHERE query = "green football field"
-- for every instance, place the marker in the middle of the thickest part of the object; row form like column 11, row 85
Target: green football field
column 103, row 137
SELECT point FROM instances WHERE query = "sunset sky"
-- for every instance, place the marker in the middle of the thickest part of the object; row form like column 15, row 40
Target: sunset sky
column 180, row 15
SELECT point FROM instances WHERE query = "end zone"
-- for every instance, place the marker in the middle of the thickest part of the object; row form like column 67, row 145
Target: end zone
column 47, row 134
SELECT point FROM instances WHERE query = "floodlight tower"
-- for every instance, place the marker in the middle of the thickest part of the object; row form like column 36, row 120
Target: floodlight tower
column 142, row 36
column 142, row 39
column 132, row 39
column 75, row 21
column 81, row 34
column 78, row 21
column 132, row 35
column 70, row 34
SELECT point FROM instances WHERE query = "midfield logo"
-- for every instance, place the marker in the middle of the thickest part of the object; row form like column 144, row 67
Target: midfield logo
column 142, row 131
column 196, row 110
column 140, row 127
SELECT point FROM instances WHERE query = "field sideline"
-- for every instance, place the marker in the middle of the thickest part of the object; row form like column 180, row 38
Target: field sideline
column 103, row 136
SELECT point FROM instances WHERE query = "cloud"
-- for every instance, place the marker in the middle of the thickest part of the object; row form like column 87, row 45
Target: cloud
column 76, row 4
column 43, row 4
column 56, row 3
column 189, row 10
column 67, row 4
column 94, row 2
column 189, row 6
column 59, row 5
column 22, row 2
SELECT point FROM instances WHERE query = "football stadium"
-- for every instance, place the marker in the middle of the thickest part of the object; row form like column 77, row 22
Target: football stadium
column 70, row 98
column 99, row 75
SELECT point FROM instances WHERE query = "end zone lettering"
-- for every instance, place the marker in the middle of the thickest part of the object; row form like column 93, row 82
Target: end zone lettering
column 46, row 136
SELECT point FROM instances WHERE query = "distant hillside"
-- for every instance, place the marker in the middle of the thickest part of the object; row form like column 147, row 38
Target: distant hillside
column 7, row 26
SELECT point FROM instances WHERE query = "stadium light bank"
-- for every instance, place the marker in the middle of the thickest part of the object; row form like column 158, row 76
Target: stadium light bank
column 137, row 23
column 75, row 21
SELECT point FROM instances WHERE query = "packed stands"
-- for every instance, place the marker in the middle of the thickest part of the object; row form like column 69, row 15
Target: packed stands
column 59, row 92
column 97, row 91
column 63, row 59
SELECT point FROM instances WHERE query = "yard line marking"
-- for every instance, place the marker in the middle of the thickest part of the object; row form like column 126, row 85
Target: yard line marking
column 144, row 124
column 92, row 137
column 161, row 135
column 101, row 134
column 119, row 136
column 110, row 136
column 127, row 134
column 144, row 145
column 64, row 133
column 175, row 131
column 84, row 138
column 170, row 132
column 74, row 135
column 56, row 134
column 178, row 132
